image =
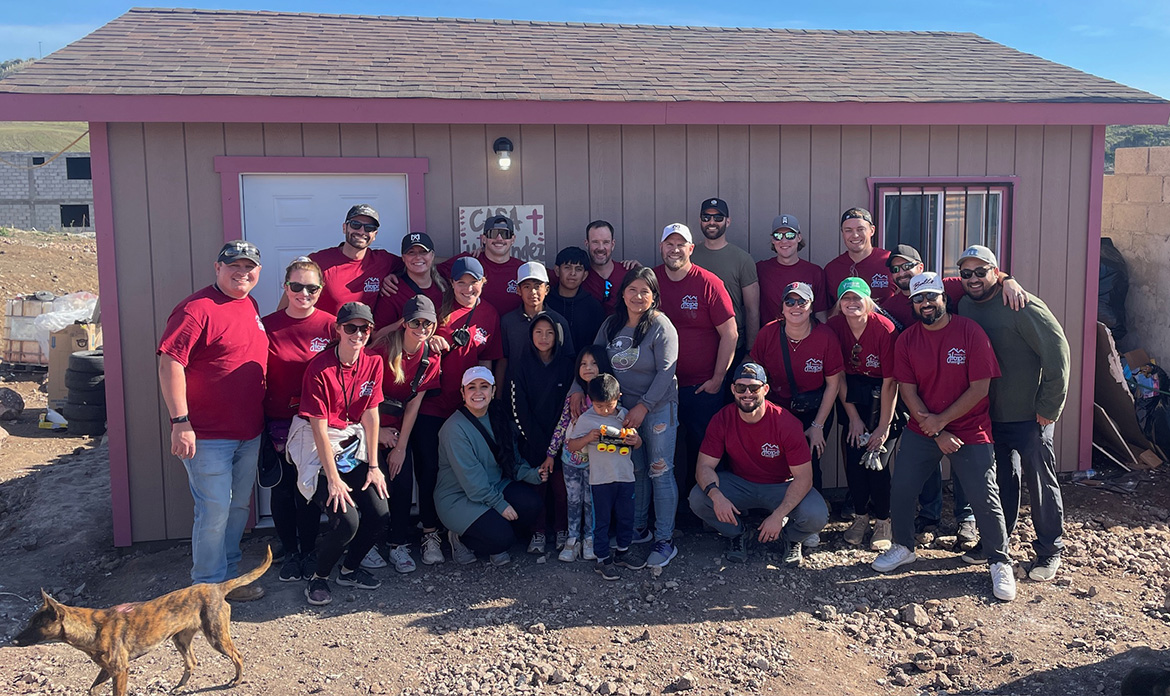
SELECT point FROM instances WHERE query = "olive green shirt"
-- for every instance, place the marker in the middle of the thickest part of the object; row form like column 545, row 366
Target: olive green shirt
column 737, row 269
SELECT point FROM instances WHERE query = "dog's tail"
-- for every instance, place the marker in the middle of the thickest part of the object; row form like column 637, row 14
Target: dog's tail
column 250, row 576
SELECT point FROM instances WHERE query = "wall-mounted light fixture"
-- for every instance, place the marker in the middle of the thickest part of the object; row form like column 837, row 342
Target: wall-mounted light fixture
column 503, row 149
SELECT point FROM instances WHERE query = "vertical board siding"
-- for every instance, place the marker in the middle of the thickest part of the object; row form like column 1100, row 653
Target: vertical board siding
column 825, row 194
column 605, row 175
column 796, row 187
column 571, row 153
column 504, row 187
column 395, row 140
column 1080, row 173
column 434, row 143
column 637, row 190
column 763, row 191
column 734, row 175
column 283, row 140
column 538, row 182
column 670, row 188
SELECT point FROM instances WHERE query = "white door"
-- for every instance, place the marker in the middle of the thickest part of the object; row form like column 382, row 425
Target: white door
column 291, row 215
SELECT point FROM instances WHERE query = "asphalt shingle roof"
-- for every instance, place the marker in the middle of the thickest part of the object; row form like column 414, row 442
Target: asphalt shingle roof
column 204, row 52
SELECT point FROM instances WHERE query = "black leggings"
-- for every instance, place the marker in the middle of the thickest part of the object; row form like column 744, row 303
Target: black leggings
column 359, row 527
column 490, row 533
column 424, row 444
column 868, row 489
column 401, row 489
column 297, row 520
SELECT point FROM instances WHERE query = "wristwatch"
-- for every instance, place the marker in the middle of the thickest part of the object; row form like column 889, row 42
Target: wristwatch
column 709, row 486
column 180, row 419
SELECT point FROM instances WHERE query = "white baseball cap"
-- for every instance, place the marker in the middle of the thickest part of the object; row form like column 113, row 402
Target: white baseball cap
column 533, row 270
column 478, row 372
column 926, row 282
column 679, row 229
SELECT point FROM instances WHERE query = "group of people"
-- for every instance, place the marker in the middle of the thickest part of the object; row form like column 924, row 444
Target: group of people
column 548, row 408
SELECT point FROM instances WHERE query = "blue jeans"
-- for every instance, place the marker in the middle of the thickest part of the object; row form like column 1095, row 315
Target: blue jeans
column 930, row 501
column 221, row 476
column 612, row 500
column 654, row 472
column 578, row 499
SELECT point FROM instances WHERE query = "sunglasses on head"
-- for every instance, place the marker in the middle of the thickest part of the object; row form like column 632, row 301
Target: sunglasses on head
column 795, row 302
column 356, row 225
column 503, row 234
column 908, row 266
column 745, row 388
column 786, row 234
column 420, row 323
column 298, row 288
column 356, row 328
column 925, row 297
column 708, row 218
column 981, row 272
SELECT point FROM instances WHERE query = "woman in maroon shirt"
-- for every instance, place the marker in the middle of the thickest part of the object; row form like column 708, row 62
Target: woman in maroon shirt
column 868, row 403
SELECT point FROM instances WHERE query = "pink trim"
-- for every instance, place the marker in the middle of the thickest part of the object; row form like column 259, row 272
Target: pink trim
column 137, row 108
column 1092, row 283
column 941, row 181
column 103, row 219
column 230, row 169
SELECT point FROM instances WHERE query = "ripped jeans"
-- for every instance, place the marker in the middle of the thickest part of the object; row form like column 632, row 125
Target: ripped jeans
column 654, row 472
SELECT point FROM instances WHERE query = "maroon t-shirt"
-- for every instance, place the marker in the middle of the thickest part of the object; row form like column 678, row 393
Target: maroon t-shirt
column 501, row 289
column 901, row 308
column 340, row 395
column 292, row 343
column 873, row 269
column 400, row 391
column 221, row 344
column 485, row 344
column 595, row 285
column 352, row 280
column 817, row 356
column 774, row 277
column 762, row 452
column 875, row 356
column 943, row 364
column 389, row 309
column 695, row 305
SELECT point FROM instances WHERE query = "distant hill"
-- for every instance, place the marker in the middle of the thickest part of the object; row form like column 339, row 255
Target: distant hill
column 41, row 136
column 1133, row 136
column 8, row 67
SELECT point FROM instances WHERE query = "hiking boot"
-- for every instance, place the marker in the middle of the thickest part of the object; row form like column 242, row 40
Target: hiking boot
column 606, row 570
column 569, row 550
column 432, row 548
column 562, row 539
column 892, row 558
column 317, row 592
column 662, row 554
column 536, row 544
column 587, row 550
column 643, row 536
column 737, row 548
column 792, row 554
column 1044, row 569
column 976, row 556
column 813, row 541
column 373, row 560
column 247, row 593
column 856, row 532
column 360, row 578
column 500, row 559
column 400, row 557
column 883, row 535
column 460, row 553
column 968, row 534
column 290, row 571
column 630, row 558
column 1003, row 581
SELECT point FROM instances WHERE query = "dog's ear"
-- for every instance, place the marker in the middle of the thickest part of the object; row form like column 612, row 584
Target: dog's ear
column 49, row 601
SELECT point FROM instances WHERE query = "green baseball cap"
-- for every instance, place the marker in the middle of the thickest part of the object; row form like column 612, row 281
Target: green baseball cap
column 856, row 285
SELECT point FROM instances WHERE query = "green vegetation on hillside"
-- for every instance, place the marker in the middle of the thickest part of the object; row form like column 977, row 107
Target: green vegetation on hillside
column 42, row 136
column 7, row 67
column 1133, row 136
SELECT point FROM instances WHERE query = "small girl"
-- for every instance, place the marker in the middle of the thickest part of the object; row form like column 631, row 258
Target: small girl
column 591, row 362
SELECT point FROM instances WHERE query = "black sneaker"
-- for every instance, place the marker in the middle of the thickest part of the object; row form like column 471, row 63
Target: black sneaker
column 643, row 536
column 317, row 592
column 308, row 564
column 737, row 548
column 975, row 556
column 359, row 578
column 291, row 570
column 631, row 558
column 607, row 571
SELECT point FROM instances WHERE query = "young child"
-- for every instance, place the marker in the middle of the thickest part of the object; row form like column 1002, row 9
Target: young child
column 611, row 474
column 591, row 362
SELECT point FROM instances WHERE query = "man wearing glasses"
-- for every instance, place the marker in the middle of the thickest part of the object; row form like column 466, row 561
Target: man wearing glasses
column 734, row 266
column 499, row 266
column 944, row 365
column 353, row 271
column 1025, row 403
column 776, row 274
column 605, row 274
column 212, row 359
column 769, row 467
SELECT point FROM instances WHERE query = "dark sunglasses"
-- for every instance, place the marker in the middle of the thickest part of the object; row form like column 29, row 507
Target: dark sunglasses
column 745, row 388
column 778, row 235
column 503, row 234
column 420, row 323
column 355, row 226
column 795, row 302
column 925, row 297
column 355, row 328
column 908, row 266
column 298, row 288
column 982, row 272
column 708, row 218
column 855, row 356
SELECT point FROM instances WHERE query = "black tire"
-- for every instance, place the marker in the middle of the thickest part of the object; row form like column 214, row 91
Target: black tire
column 87, row 397
column 88, row 361
column 86, row 427
column 83, row 380
column 84, row 412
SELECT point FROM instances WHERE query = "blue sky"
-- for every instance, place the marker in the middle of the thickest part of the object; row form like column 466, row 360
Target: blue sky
column 1122, row 40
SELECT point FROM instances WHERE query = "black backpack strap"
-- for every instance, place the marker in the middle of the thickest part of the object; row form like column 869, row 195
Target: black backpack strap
column 423, row 366
column 788, row 361
column 491, row 443
column 411, row 284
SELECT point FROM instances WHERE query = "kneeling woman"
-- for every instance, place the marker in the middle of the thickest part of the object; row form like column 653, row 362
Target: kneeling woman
column 484, row 487
column 340, row 394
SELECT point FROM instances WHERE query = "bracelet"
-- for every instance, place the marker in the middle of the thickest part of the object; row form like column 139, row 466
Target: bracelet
column 180, row 419
column 709, row 486
column 817, row 425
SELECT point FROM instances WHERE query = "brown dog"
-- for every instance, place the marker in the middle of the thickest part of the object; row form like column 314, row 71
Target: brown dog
column 115, row 636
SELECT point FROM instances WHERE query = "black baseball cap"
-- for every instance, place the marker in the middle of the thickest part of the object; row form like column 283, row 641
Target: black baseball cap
column 907, row 252
column 499, row 222
column 716, row 203
column 239, row 249
column 354, row 310
column 419, row 307
column 858, row 213
column 751, row 370
column 414, row 239
column 363, row 209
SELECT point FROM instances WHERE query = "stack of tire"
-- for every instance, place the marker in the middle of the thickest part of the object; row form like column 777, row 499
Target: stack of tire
column 85, row 405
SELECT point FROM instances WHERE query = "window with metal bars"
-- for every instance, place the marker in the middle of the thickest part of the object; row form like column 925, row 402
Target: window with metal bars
column 941, row 220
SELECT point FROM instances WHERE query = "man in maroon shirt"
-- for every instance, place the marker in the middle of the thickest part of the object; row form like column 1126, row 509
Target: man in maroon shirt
column 944, row 366
column 353, row 271
column 499, row 266
column 861, row 259
column 212, row 360
column 770, row 468
column 605, row 274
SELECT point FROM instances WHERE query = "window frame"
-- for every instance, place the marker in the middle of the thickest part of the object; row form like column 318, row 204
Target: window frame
column 86, row 219
column 70, row 167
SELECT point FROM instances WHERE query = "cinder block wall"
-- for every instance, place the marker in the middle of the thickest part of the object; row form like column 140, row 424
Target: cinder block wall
column 32, row 198
column 1135, row 213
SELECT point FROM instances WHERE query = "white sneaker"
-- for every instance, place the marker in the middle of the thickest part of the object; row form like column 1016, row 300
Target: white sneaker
column 432, row 548
column 499, row 559
column 569, row 551
column 373, row 560
column 460, row 553
column 1003, row 581
column 587, row 550
column 856, row 532
column 882, row 535
column 894, row 557
column 813, row 541
column 536, row 545
column 400, row 557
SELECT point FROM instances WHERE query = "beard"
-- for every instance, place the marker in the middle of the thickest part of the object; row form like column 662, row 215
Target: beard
column 748, row 407
column 719, row 232
column 936, row 316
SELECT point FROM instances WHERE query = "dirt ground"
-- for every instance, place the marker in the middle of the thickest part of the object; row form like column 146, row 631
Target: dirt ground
column 541, row 626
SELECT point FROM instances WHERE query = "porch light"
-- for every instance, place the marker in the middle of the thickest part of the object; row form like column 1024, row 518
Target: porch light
column 503, row 149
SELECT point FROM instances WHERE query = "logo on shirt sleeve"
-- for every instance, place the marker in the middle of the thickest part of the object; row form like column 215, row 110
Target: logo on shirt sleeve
column 318, row 344
column 957, row 356
column 814, row 365
column 770, row 451
column 367, row 388
column 689, row 302
column 879, row 280
column 373, row 284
